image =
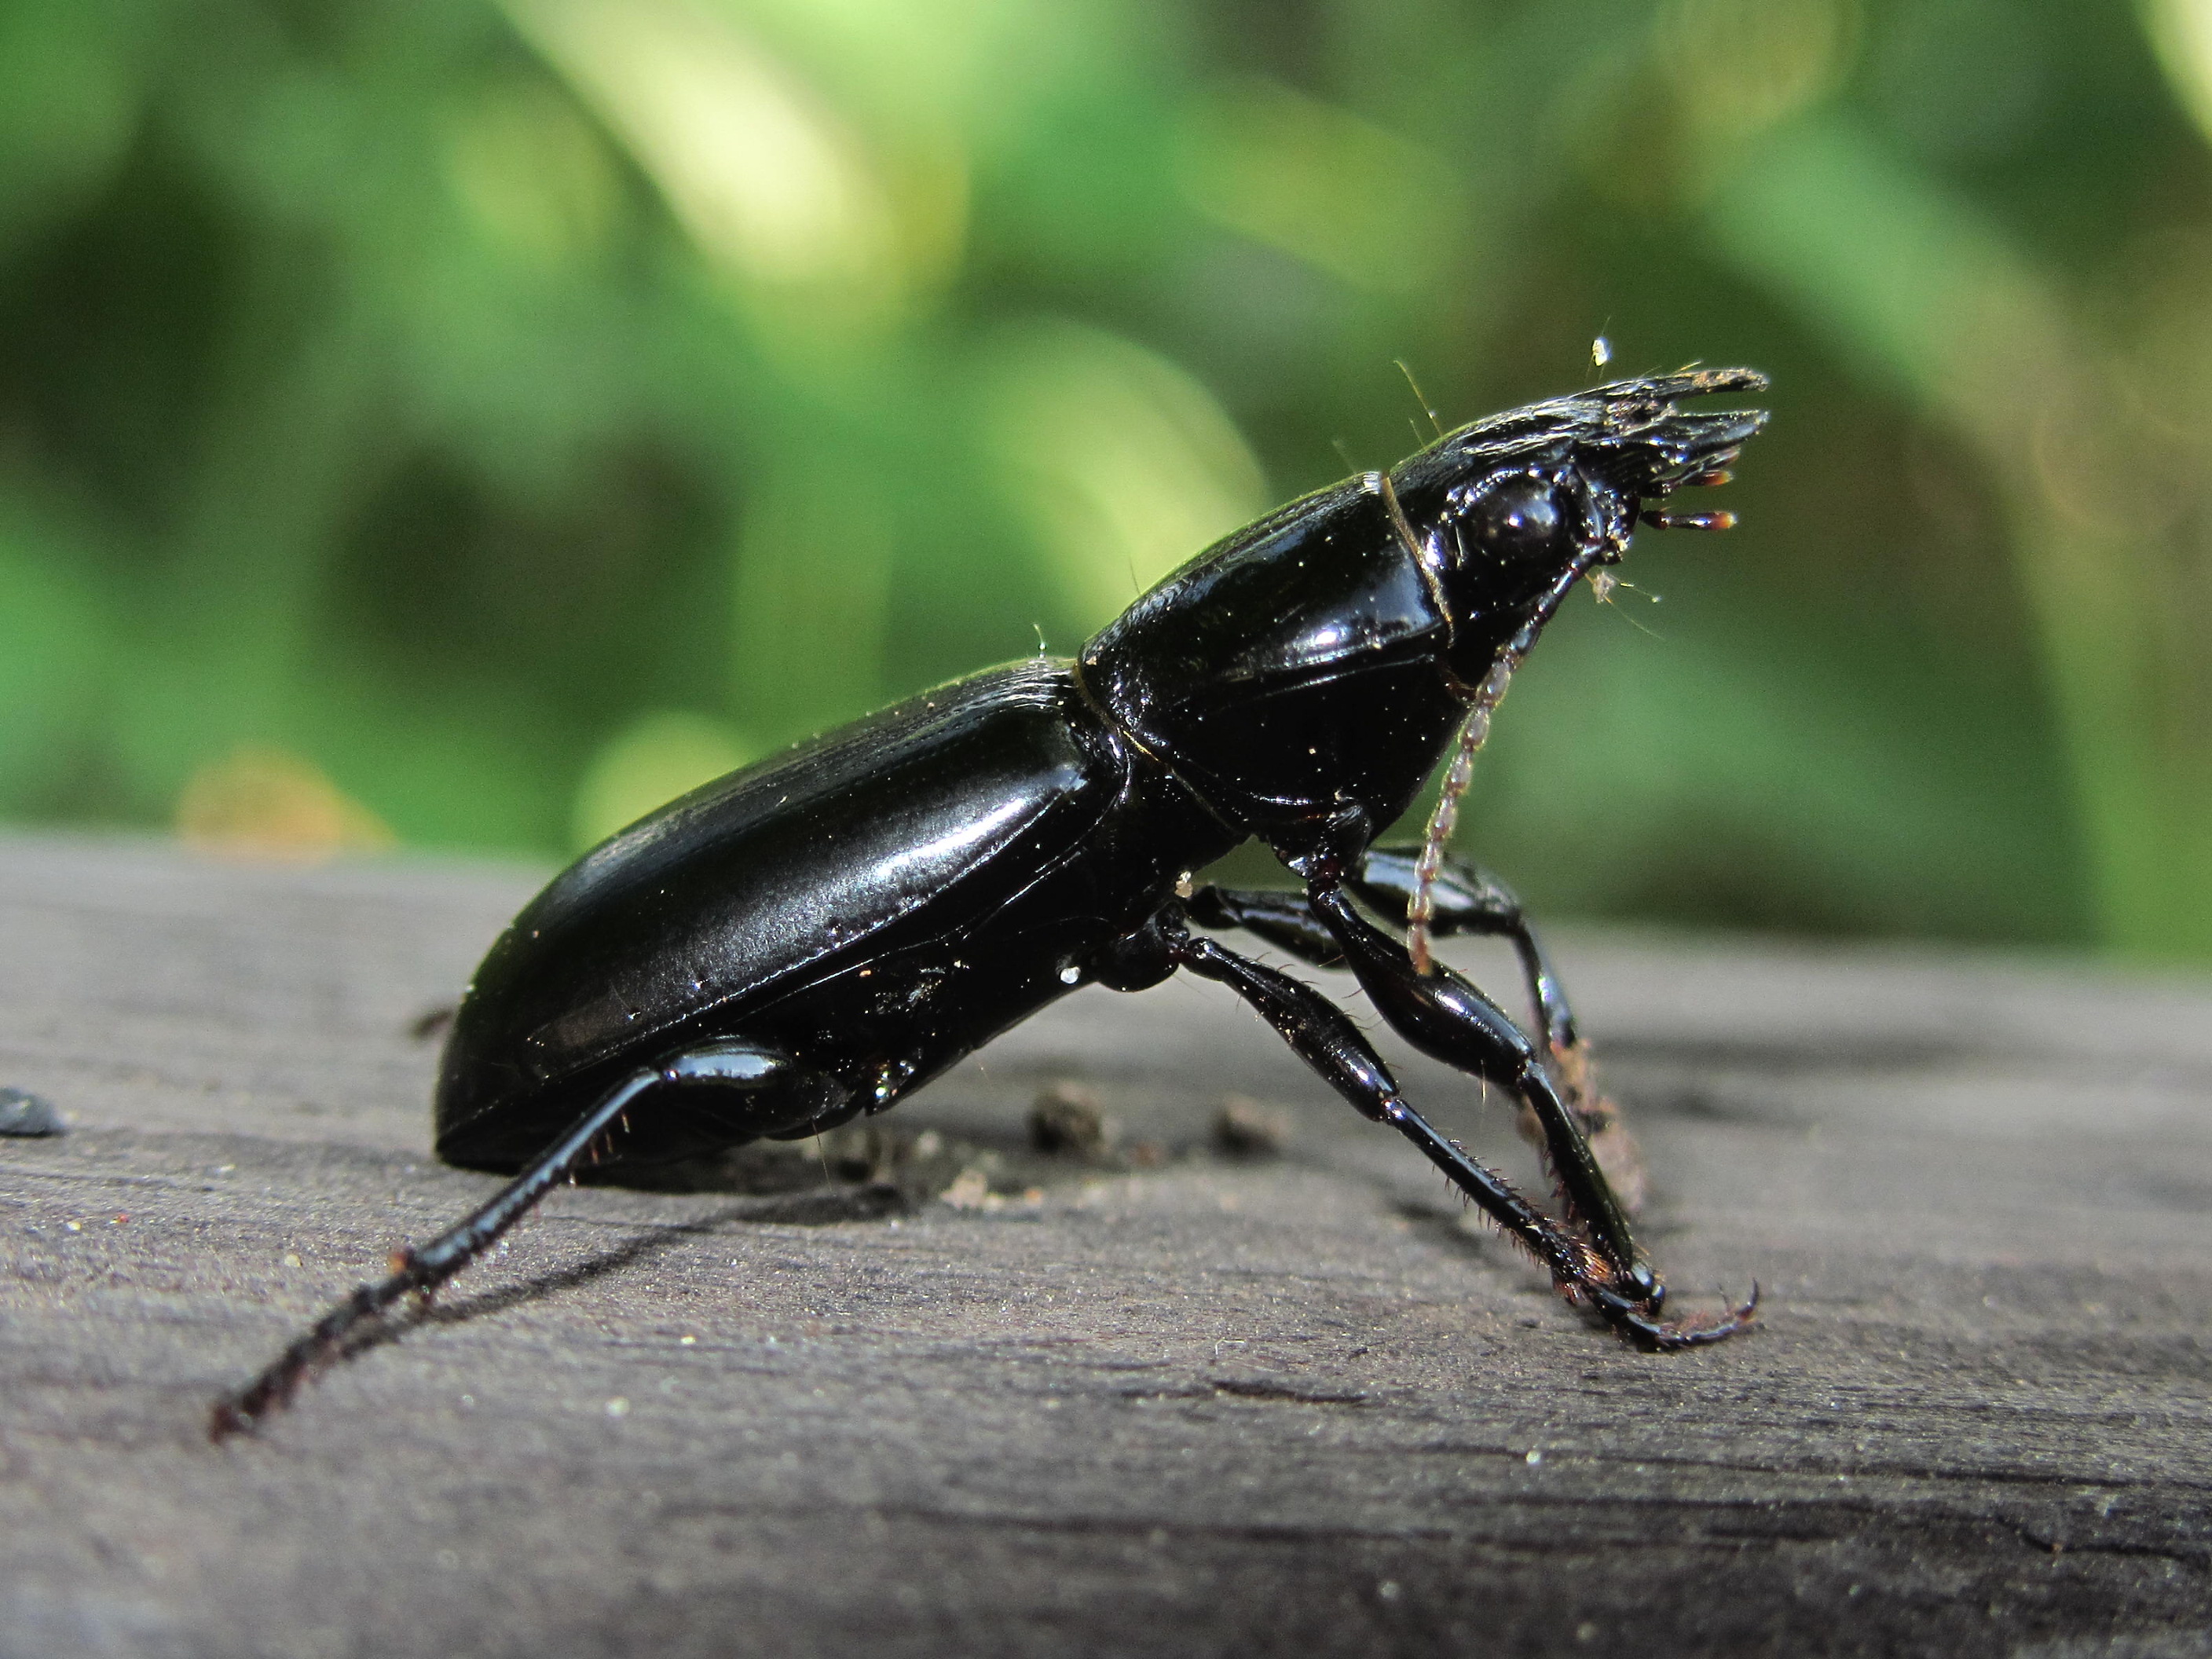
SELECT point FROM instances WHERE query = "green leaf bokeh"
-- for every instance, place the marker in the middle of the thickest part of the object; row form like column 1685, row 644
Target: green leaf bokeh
column 509, row 410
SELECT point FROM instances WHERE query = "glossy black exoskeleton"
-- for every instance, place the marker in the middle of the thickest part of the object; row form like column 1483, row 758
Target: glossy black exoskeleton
column 820, row 935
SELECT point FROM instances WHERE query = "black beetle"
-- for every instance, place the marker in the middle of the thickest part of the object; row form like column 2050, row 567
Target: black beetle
column 818, row 936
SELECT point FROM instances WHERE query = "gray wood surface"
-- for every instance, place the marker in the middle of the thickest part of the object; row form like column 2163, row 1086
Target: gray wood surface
column 1196, row 1404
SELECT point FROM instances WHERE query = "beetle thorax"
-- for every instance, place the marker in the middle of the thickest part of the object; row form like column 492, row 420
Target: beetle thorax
column 1291, row 672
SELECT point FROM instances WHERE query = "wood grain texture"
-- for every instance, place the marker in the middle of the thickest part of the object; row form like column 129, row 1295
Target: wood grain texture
column 1212, row 1407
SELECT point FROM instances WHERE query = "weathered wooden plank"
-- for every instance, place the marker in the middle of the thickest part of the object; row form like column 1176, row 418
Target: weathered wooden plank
column 1213, row 1407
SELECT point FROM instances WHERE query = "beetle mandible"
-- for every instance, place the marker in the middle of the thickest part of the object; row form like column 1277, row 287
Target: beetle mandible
column 820, row 935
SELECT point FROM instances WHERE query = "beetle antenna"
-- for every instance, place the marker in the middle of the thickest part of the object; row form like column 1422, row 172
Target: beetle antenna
column 1421, row 908
column 1419, row 397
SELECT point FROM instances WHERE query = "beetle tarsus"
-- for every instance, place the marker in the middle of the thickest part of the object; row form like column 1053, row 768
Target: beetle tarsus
column 244, row 1411
column 1636, row 1323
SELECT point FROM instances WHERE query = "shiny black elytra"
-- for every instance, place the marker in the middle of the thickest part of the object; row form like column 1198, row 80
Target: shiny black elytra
column 818, row 936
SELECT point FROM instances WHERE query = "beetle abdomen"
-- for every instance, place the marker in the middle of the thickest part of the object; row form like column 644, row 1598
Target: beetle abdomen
column 763, row 882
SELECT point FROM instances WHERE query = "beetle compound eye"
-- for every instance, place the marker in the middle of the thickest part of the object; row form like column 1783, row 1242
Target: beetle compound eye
column 1516, row 517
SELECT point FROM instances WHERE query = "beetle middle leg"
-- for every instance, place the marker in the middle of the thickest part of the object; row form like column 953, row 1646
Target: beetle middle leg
column 1468, row 901
column 1323, row 1036
column 730, row 1065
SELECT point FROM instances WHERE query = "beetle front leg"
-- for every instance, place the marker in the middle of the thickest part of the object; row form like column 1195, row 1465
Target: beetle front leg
column 1467, row 900
column 1324, row 1037
column 1446, row 1017
column 1471, row 901
column 1449, row 1019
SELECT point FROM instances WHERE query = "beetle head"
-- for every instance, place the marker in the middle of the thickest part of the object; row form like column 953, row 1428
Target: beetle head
column 1510, row 513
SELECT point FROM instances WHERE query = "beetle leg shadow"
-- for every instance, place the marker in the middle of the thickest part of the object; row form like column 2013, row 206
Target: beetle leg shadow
column 421, row 1310
column 865, row 1203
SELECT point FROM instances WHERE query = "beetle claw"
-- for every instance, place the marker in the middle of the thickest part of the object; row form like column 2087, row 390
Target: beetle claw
column 1637, row 1322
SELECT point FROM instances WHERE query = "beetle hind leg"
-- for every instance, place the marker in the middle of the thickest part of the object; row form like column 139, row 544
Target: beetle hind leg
column 419, row 1272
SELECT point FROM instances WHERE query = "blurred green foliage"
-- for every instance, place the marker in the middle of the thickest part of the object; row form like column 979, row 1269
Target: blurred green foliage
column 497, row 416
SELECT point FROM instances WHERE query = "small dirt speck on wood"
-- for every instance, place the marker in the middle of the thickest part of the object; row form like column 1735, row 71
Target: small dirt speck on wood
column 1067, row 1120
column 24, row 1114
column 1245, row 1128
